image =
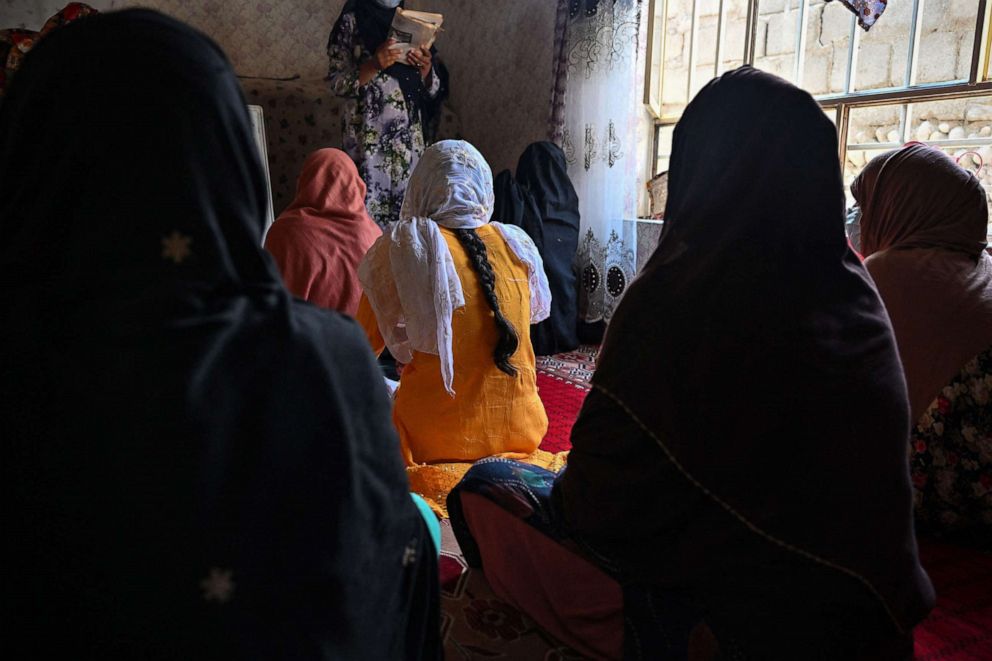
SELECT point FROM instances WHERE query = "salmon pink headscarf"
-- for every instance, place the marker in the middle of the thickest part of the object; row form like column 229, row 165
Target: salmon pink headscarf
column 923, row 231
column 320, row 239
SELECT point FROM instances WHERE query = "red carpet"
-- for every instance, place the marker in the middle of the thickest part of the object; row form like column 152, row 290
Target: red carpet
column 562, row 382
column 562, row 401
column 958, row 629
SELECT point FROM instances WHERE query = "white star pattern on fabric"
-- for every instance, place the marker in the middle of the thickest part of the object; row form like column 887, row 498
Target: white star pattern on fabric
column 218, row 586
column 176, row 247
column 409, row 555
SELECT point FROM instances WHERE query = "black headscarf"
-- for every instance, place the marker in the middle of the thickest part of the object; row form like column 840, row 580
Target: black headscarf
column 515, row 206
column 195, row 466
column 542, row 173
column 757, row 367
column 373, row 22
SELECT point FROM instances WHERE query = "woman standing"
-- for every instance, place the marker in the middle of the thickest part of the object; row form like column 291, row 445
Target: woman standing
column 381, row 125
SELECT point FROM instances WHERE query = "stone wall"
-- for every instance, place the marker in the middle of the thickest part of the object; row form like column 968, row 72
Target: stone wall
column 944, row 54
column 953, row 119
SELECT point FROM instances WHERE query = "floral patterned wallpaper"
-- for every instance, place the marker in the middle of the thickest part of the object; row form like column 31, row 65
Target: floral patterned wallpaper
column 498, row 53
column 262, row 37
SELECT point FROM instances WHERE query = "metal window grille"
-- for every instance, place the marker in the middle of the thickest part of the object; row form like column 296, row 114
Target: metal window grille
column 839, row 104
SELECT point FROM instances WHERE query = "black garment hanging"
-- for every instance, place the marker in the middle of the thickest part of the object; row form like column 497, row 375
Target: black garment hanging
column 373, row 21
column 195, row 465
column 542, row 176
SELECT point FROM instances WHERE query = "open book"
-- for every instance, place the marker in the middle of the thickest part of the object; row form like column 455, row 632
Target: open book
column 414, row 29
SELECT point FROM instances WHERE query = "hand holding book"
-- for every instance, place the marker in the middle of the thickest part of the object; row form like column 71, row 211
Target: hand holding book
column 414, row 30
column 387, row 54
column 411, row 36
column 421, row 59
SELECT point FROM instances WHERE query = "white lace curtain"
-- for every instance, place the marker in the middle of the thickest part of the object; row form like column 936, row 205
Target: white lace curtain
column 593, row 119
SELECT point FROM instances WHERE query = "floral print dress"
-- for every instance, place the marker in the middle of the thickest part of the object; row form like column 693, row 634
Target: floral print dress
column 951, row 458
column 381, row 133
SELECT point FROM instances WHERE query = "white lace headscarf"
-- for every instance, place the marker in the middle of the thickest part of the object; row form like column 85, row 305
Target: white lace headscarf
column 408, row 274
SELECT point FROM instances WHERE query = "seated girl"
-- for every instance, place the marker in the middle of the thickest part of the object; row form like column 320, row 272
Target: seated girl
column 543, row 202
column 739, row 468
column 322, row 236
column 923, row 227
column 196, row 466
column 452, row 296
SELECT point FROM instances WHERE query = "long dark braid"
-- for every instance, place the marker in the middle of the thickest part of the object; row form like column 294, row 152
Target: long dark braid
column 508, row 341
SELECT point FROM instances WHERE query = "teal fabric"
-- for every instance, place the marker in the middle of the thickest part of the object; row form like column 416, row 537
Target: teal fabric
column 431, row 519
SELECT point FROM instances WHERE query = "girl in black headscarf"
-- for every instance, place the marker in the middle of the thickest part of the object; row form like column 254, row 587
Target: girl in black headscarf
column 387, row 95
column 196, row 466
column 544, row 203
column 515, row 206
column 743, row 450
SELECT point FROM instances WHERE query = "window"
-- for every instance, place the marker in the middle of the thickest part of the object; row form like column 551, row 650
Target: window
column 921, row 72
column 690, row 42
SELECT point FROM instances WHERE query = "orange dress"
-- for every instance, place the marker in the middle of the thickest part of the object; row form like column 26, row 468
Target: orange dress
column 491, row 413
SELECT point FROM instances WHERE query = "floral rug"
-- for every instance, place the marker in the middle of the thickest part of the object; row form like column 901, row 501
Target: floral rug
column 476, row 624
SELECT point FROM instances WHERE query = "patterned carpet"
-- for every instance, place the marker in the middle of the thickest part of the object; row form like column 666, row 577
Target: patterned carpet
column 476, row 625
column 575, row 367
